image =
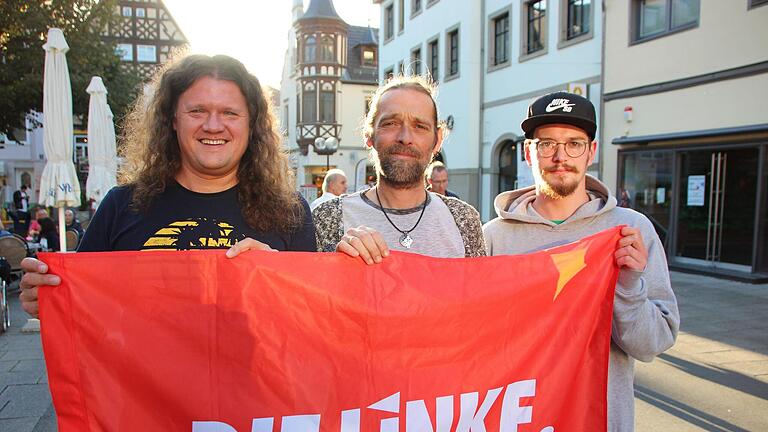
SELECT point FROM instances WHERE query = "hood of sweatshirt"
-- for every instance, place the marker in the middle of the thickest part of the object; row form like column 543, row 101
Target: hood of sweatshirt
column 515, row 204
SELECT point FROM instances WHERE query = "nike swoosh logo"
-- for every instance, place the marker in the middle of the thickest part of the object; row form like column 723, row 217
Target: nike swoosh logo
column 551, row 108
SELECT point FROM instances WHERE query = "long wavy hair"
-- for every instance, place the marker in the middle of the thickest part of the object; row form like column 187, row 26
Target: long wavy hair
column 153, row 158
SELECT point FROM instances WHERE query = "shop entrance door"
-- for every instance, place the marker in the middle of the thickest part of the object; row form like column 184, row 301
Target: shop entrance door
column 717, row 195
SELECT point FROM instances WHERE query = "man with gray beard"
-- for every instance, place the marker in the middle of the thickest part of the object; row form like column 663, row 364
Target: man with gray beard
column 403, row 134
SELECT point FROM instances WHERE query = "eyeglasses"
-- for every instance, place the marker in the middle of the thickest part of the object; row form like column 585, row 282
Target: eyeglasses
column 548, row 147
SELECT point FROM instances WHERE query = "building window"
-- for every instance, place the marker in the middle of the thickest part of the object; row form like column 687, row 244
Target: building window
column 389, row 25
column 141, row 12
column 127, row 11
column 536, row 26
column 434, row 59
column 755, row 3
column 327, row 106
column 578, row 18
column 416, row 61
column 654, row 18
column 125, row 51
column 146, row 53
column 326, row 49
column 369, row 57
column 453, row 53
column 401, row 15
column 501, row 39
column 415, row 7
column 389, row 74
column 310, row 46
column 308, row 105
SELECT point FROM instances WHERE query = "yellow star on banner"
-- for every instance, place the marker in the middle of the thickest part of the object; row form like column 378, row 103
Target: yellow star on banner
column 569, row 264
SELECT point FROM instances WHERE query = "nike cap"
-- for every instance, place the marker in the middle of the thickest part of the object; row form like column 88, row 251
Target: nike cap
column 561, row 107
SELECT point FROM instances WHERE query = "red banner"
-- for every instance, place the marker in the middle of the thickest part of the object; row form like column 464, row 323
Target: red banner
column 304, row 342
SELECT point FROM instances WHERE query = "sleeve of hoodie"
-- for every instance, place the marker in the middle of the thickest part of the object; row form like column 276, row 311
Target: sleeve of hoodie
column 645, row 315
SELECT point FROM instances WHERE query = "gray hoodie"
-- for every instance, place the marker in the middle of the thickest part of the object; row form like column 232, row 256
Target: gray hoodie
column 645, row 315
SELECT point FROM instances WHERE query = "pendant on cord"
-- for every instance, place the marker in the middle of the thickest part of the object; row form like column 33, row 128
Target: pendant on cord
column 406, row 240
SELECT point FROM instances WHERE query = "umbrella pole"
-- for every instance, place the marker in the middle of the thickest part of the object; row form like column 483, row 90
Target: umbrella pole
column 62, row 232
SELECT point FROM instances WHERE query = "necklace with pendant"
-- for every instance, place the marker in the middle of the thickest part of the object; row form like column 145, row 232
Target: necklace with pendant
column 405, row 237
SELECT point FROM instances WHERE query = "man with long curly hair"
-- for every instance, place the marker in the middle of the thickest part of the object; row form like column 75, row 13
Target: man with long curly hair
column 203, row 170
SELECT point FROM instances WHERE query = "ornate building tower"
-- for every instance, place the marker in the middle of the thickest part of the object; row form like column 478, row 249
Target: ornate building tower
column 321, row 60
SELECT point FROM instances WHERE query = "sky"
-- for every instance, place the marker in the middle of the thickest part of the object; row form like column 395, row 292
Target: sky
column 253, row 31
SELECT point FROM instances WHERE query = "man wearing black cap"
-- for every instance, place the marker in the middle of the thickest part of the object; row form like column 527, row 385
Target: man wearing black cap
column 565, row 205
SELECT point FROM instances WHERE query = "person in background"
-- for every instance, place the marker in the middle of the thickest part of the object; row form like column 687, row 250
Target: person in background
column 72, row 223
column 49, row 235
column 21, row 214
column 437, row 178
column 34, row 225
column 334, row 184
column 4, row 232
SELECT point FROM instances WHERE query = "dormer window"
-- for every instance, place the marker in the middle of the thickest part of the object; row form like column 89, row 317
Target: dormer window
column 369, row 57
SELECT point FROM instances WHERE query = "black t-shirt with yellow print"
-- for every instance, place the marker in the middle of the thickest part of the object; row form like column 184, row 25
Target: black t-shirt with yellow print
column 182, row 220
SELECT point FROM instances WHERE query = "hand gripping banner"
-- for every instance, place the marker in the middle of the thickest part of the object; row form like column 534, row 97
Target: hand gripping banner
column 307, row 342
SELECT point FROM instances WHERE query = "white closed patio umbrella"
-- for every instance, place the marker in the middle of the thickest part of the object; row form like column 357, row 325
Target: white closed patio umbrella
column 102, row 153
column 59, row 186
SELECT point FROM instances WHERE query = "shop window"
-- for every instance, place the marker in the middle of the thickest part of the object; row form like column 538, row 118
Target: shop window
column 645, row 185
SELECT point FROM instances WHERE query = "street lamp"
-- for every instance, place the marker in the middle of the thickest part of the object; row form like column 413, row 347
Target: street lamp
column 327, row 147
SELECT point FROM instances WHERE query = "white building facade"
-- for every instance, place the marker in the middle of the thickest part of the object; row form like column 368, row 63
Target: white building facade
column 491, row 59
column 329, row 76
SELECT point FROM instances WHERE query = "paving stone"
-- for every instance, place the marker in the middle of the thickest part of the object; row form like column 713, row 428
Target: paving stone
column 29, row 365
column 23, row 424
column 23, row 354
column 22, row 377
column 6, row 366
column 48, row 422
column 25, row 401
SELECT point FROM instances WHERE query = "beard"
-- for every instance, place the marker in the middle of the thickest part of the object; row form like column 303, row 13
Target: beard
column 401, row 173
column 554, row 186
